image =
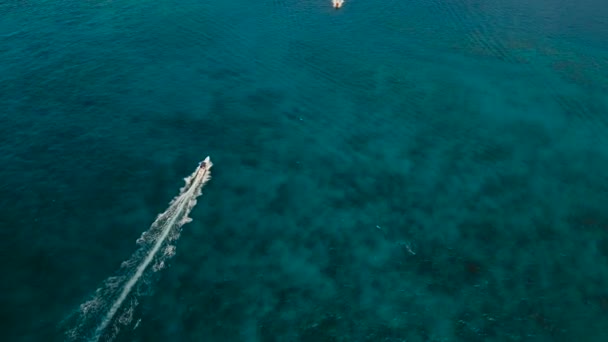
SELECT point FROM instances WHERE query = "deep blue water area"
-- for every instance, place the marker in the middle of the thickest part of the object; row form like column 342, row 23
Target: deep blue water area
column 421, row 170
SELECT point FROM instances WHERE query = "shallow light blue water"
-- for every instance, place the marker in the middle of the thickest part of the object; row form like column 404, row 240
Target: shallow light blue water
column 392, row 171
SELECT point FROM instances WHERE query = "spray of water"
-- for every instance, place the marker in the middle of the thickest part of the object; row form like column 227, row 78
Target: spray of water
column 114, row 302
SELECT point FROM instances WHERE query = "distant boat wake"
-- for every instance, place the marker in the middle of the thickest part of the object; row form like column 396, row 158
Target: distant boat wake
column 102, row 317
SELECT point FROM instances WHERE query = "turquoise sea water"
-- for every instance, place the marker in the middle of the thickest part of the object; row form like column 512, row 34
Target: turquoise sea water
column 424, row 170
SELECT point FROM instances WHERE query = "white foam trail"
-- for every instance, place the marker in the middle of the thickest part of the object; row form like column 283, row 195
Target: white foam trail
column 165, row 227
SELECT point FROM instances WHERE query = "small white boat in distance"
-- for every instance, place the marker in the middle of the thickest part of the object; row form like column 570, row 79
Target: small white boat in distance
column 337, row 3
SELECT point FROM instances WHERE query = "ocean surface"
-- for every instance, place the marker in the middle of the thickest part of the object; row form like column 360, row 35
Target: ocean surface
column 422, row 170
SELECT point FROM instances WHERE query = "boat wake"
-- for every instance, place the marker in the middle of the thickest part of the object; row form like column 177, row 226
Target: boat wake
column 113, row 305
